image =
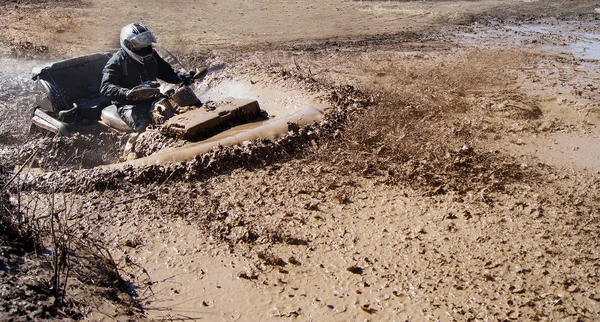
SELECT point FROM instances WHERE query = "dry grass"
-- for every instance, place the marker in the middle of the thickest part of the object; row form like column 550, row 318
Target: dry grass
column 66, row 260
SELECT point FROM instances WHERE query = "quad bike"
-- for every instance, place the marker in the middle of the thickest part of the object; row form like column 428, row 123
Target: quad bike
column 68, row 100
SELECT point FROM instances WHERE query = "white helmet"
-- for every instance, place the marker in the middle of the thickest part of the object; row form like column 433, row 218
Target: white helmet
column 137, row 41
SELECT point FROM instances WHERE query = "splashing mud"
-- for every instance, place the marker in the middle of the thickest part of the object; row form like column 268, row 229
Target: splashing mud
column 283, row 103
column 15, row 98
column 269, row 130
column 278, row 100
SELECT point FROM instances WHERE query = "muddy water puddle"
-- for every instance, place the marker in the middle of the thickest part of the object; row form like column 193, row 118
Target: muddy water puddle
column 373, row 259
column 559, row 38
column 580, row 44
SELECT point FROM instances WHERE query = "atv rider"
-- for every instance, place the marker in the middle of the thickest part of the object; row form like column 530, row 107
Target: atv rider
column 134, row 64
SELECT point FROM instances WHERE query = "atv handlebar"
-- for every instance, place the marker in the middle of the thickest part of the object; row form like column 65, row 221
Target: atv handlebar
column 192, row 76
column 150, row 89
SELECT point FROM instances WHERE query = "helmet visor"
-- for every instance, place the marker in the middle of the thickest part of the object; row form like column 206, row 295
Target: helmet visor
column 142, row 40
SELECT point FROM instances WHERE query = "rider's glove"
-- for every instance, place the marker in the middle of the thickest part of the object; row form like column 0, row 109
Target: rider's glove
column 187, row 78
column 141, row 93
column 130, row 96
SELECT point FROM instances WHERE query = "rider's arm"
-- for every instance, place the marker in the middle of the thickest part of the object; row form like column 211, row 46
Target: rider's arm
column 166, row 71
column 111, row 76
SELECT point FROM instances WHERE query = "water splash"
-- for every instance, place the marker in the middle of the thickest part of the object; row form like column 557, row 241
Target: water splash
column 16, row 94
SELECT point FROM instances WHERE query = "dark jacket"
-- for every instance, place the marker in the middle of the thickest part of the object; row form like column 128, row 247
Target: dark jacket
column 122, row 73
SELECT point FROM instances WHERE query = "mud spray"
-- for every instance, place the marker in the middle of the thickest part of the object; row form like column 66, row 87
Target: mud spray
column 16, row 101
column 278, row 100
column 283, row 104
column 15, row 95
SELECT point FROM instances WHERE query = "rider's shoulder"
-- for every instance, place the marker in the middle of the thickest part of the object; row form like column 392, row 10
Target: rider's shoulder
column 119, row 56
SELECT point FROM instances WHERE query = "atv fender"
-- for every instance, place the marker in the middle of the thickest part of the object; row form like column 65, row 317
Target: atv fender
column 48, row 97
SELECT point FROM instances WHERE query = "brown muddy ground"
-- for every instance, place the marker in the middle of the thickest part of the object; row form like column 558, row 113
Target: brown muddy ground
column 454, row 178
